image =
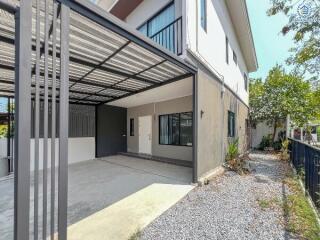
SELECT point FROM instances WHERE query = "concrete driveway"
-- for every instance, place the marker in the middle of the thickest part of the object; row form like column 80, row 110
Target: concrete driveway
column 108, row 197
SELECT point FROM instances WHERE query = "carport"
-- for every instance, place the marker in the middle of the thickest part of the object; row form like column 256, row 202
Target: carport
column 60, row 52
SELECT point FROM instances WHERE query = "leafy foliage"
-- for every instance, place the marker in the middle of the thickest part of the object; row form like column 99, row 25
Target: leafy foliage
column 3, row 131
column 280, row 95
column 305, row 26
column 285, row 150
column 233, row 150
column 234, row 161
column 266, row 142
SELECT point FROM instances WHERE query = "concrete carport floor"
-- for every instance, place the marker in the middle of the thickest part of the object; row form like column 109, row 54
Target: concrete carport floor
column 111, row 197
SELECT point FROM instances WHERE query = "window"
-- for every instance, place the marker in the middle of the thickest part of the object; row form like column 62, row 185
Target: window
column 203, row 9
column 245, row 77
column 175, row 129
column 131, row 127
column 227, row 50
column 159, row 21
column 231, row 124
column 235, row 59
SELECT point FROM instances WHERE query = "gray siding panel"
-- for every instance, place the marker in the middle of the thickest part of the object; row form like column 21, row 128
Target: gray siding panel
column 81, row 120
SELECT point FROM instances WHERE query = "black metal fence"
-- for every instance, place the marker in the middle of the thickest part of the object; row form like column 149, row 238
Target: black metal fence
column 170, row 36
column 306, row 160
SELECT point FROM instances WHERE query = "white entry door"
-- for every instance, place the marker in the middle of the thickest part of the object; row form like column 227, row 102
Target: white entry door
column 145, row 134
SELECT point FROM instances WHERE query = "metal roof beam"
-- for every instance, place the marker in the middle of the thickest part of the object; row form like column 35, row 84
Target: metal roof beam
column 89, row 64
column 70, row 98
column 103, row 62
column 82, row 81
column 151, row 87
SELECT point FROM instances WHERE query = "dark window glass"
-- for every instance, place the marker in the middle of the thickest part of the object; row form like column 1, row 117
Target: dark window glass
column 159, row 21
column 231, row 124
column 245, row 77
column 176, row 129
column 164, row 129
column 203, row 14
column 186, row 129
column 235, row 59
column 227, row 50
column 131, row 127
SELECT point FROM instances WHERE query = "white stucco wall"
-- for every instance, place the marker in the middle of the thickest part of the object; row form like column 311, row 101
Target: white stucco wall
column 211, row 44
column 80, row 149
column 262, row 129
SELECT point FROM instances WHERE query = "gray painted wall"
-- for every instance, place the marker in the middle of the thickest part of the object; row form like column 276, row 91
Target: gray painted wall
column 178, row 105
column 81, row 120
column 213, row 125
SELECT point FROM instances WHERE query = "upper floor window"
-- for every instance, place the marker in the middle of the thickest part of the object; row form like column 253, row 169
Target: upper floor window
column 235, row 59
column 159, row 21
column 245, row 78
column 227, row 50
column 203, row 9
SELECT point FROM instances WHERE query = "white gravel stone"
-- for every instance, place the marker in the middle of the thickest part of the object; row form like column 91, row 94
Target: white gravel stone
column 228, row 207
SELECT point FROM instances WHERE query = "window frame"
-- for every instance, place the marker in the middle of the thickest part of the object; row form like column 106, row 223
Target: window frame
column 131, row 127
column 204, row 24
column 232, row 133
column 227, row 50
column 159, row 125
column 146, row 22
column 245, row 77
column 235, row 58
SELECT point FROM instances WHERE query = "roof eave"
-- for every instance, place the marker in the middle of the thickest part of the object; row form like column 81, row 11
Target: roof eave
column 239, row 16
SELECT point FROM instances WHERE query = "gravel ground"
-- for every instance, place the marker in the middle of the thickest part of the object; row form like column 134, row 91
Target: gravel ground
column 230, row 207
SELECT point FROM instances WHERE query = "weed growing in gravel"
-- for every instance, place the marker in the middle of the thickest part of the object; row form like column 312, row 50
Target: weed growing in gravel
column 301, row 218
column 268, row 203
column 136, row 235
column 234, row 161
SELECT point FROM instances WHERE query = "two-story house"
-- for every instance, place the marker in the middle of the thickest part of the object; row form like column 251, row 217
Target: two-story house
column 154, row 79
column 216, row 37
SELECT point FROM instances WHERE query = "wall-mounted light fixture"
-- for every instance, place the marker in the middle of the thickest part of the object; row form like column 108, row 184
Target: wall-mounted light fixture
column 201, row 113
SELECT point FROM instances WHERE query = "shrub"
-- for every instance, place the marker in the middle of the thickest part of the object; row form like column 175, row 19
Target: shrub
column 285, row 150
column 277, row 145
column 233, row 150
column 234, row 161
column 266, row 142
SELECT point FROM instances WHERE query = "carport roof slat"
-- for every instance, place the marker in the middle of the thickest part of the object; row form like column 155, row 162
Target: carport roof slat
column 108, row 60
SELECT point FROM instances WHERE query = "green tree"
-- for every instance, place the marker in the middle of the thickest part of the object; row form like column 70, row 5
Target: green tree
column 304, row 23
column 3, row 131
column 281, row 94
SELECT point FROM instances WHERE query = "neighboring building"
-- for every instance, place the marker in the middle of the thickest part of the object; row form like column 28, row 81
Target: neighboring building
column 261, row 130
column 216, row 37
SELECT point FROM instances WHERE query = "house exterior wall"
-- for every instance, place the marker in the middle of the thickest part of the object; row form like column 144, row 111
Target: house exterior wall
column 80, row 149
column 221, row 84
column 178, row 105
column 211, row 45
column 213, row 124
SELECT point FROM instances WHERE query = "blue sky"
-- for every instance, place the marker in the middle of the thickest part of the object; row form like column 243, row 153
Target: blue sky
column 271, row 46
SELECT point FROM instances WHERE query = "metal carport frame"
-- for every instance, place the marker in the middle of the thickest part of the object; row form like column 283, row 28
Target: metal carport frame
column 71, row 51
